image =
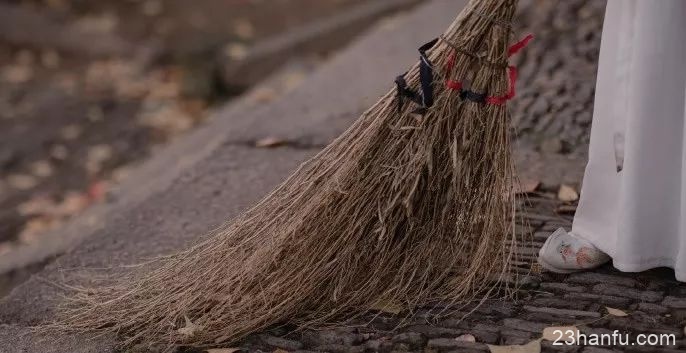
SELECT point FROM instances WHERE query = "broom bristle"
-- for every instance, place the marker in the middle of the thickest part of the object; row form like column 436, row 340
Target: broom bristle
column 399, row 208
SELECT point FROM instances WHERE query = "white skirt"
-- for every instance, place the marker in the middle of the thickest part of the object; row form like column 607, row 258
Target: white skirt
column 633, row 199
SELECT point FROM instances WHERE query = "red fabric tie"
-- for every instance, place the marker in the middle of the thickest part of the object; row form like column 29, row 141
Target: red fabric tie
column 512, row 73
column 510, row 93
column 519, row 45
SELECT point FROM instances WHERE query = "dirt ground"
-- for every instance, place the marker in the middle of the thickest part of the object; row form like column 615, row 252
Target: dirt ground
column 90, row 87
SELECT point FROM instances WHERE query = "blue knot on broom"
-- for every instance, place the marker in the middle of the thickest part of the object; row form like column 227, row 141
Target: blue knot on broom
column 424, row 98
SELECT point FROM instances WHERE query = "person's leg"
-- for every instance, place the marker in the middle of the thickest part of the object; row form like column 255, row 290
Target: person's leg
column 596, row 215
column 633, row 199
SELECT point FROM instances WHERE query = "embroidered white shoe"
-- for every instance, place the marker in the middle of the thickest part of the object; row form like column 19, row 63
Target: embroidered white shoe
column 565, row 253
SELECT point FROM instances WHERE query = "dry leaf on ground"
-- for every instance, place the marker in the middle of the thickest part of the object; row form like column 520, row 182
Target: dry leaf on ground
column 531, row 347
column 466, row 338
column 244, row 29
column 527, row 186
column 616, row 312
column 567, row 193
column 22, row 181
column 387, row 307
column 279, row 350
column 223, row 350
column 236, row 51
column 270, row 142
column 190, row 329
column 561, row 333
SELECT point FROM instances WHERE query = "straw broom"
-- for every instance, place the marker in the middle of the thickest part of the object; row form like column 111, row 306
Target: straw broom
column 413, row 204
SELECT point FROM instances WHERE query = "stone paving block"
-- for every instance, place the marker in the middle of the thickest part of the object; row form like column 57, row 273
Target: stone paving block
column 648, row 349
column 561, row 287
column 561, row 312
column 595, row 278
column 674, row 302
column 678, row 315
column 280, row 342
column 652, row 308
column 497, row 308
column 548, row 346
column 508, row 332
column 549, row 319
column 401, row 347
column 485, row 336
column 433, row 331
column 330, row 337
column 514, row 340
column 339, row 348
column 594, row 330
column 444, row 344
column 629, row 324
column 620, row 291
column 541, row 236
column 523, row 325
column 598, row 350
column 378, row 345
column 609, row 300
column 413, row 339
column 560, row 303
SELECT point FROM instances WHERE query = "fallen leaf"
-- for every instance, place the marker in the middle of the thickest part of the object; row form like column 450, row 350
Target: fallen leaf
column 50, row 59
column 567, row 193
column 104, row 23
column 16, row 73
column 95, row 114
column 22, row 181
column 552, row 145
column 71, row 132
column 527, row 186
column 190, row 329
column 36, row 205
column 59, row 152
column 244, row 29
column 25, row 57
column 292, row 80
column 279, row 350
column 41, row 168
column 223, row 350
column 616, row 312
column 36, row 227
column 263, row 95
column 560, row 333
column 466, row 338
column 387, row 307
column 531, row 347
column 96, row 156
column 72, row 203
column 236, row 51
column 268, row 142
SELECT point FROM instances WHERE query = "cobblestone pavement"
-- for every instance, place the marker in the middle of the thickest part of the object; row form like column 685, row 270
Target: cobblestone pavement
column 553, row 115
column 554, row 102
